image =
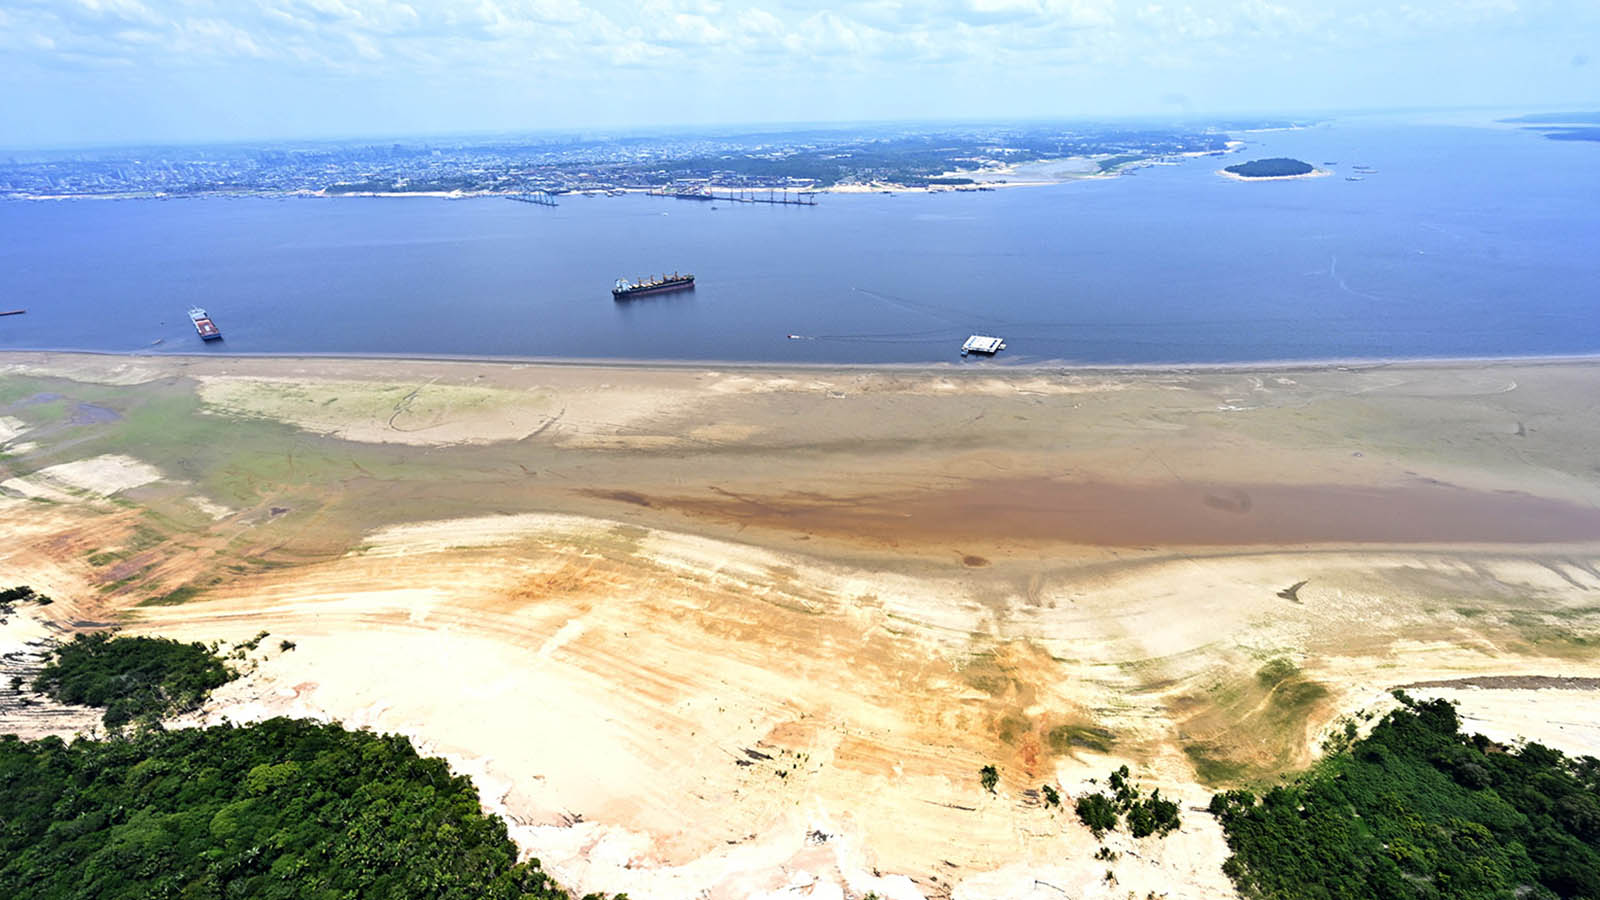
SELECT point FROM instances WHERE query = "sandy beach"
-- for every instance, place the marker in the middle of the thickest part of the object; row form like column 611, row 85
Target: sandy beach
column 1235, row 176
column 720, row 631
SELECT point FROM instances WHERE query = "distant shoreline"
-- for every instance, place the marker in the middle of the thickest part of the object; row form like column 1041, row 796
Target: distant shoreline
column 875, row 187
column 984, row 369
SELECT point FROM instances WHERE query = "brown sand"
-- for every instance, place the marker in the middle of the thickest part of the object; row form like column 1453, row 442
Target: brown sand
column 729, row 632
column 1044, row 510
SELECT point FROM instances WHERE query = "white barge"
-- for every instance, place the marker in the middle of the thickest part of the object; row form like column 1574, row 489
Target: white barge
column 982, row 343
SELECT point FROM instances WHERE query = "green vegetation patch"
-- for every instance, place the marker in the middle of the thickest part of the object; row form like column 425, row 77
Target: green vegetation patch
column 1276, row 671
column 280, row 809
column 1419, row 810
column 174, row 597
column 11, row 596
column 1063, row 739
column 132, row 677
column 1112, row 163
column 989, row 777
column 1251, row 726
column 1146, row 814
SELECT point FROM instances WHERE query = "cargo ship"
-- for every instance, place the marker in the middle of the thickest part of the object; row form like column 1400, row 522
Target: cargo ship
column 207, row 329
column 674, row 282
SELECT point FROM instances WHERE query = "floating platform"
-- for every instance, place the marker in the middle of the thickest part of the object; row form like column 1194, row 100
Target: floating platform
column 983, row 343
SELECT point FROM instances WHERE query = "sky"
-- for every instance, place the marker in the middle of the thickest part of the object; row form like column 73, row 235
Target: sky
column 78, row 72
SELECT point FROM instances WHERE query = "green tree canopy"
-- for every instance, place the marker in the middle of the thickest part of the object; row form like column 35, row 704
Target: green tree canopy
column 1419, row 810
column 281, row 809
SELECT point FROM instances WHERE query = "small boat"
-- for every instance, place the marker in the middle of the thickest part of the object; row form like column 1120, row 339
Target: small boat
column 203, row 325
column 12, row 312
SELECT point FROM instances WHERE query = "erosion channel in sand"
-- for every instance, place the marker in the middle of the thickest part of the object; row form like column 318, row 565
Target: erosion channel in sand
column 741, row 632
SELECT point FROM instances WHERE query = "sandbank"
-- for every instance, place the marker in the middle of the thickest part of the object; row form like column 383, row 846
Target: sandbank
column 736, row 631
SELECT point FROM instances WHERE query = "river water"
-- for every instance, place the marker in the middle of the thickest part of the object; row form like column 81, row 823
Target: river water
column 1464, row 241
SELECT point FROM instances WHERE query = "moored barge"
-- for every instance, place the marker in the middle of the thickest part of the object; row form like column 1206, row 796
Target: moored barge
column 674, row 282
column 203, row 325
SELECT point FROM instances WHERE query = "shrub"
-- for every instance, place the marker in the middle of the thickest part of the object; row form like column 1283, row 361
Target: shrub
column 1098, row 813
column 989, row 777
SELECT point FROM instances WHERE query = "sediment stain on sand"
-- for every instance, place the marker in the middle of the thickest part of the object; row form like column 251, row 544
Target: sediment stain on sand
column 1043, row 510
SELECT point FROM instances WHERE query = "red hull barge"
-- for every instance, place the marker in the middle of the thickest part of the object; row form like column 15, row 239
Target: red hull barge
column 203, row 325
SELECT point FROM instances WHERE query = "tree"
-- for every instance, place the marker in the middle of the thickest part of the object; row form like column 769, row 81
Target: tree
column 989, row 777
column 1098, row 812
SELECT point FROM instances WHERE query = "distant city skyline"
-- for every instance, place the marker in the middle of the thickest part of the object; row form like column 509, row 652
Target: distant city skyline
column 78, row 72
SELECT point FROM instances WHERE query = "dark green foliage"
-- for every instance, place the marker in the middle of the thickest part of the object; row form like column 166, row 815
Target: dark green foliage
column 989, row 777
column 1051, row 796
column 1098, row 812
column 1419, row 810
column 1152, row 815
column 281, row 809
column 132, row 677
column 1276, row 167
column 1146, row 815
column 286, row 646
column 11, row 596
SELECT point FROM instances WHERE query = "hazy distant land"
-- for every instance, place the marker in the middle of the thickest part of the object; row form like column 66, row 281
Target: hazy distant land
column 1562, row 126
column 859, row 157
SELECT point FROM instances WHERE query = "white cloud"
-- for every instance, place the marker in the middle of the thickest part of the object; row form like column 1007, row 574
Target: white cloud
column 912, row 54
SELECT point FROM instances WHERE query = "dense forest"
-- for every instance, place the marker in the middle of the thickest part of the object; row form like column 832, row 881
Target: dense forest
column 1276, row 167
column 1419, row 810
column 280, row 809
column 132, row 677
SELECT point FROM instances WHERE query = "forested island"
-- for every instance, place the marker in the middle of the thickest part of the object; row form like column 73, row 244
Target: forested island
column 1275, row 167
column 278, row 809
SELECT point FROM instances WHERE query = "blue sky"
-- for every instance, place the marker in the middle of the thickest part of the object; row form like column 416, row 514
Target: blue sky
column 93, row 71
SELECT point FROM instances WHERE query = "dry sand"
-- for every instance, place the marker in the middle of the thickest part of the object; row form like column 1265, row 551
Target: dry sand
column 737, row 632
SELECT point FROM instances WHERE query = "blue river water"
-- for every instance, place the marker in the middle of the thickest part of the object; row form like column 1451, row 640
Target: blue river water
column 1464, row 242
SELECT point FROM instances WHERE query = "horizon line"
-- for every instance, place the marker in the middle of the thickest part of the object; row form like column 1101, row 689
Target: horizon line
column 778, row 126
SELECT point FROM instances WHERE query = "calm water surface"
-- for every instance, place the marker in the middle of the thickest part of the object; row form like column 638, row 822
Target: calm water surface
column 1465, row 242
